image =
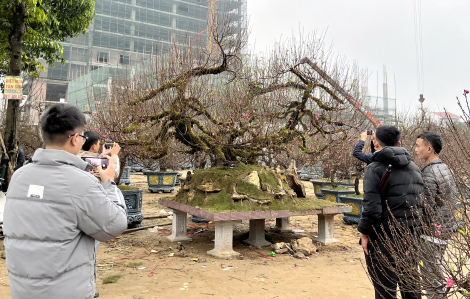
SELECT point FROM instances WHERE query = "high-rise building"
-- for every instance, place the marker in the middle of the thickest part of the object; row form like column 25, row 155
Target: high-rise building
column 125, row 32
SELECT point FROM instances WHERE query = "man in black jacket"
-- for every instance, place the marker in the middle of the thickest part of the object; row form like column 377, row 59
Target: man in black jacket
column 402, row 196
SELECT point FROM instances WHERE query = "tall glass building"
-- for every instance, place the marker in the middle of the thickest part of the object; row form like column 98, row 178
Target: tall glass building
column 125, row 32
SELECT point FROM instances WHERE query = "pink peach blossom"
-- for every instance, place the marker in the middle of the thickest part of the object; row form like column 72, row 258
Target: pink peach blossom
column 450, row 282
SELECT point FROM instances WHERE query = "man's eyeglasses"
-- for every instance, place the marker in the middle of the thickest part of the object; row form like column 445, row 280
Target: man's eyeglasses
column 84, row 137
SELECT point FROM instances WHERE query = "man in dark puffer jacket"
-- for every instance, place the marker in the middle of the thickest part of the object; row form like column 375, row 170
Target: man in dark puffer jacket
column 440, row 194
column 402, row 196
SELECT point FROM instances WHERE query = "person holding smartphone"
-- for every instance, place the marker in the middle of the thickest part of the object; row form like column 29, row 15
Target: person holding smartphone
column 55, row 211
column 398, row 202
column 91, row 148
column 367, row 158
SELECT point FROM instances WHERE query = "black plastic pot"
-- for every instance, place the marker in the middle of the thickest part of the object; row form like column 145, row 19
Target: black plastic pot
column 125, row 176
column 333, row 195
column 318, row 186
column 133, row 199
column 161, row 181
column 357, row 207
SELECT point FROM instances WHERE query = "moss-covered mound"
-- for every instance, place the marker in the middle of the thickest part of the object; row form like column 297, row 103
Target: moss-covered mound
column 273, row 192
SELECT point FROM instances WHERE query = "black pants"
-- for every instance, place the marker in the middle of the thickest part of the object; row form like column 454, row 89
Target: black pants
column 381, row 276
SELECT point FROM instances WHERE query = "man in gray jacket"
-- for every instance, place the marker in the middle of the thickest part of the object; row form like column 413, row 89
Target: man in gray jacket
column 440, row 195
column 55, row 211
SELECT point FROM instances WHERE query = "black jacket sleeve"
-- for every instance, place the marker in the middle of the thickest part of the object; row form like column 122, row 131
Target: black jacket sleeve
column 367, row 158
column 372, row 202
column 20, row 159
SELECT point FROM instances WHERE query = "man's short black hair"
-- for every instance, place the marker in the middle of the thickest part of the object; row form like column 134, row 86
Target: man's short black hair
column 387, row 135
column 93, row 138
column 433, row 139
column 59, row 121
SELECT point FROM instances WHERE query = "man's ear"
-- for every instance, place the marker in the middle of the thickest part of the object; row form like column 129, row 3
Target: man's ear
column 431, row 150
column 74, row 140
column 399, row 144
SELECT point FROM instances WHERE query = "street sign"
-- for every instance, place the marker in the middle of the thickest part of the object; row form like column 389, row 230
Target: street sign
column 13, row 88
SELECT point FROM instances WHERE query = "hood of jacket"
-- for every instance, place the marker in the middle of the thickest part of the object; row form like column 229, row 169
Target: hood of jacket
column 57, row 157
column 398, row 157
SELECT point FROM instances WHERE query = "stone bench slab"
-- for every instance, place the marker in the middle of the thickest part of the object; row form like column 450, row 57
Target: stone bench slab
column 225, row 221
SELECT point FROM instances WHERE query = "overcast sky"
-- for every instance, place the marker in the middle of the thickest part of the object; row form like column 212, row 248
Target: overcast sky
column 378, row 32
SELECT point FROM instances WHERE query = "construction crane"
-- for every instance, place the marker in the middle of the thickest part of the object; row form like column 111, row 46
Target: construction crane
column 343, row 92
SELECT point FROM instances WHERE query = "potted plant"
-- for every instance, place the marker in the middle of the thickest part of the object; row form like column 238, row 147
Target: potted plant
column 160, row 181
column 133, row 199
column 354, row 200
column 333, row 194
column 318, row 185
column 125, row 176
column 339, row 164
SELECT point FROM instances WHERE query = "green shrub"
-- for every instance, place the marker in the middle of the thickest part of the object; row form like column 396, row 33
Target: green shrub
column 111, row 279
column 134, row 265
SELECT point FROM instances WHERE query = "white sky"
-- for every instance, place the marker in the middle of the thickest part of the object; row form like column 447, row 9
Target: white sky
column 378, row 32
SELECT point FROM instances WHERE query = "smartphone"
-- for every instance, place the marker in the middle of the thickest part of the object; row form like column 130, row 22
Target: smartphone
column 108, row 145
column 369, row 132
column 96, row 162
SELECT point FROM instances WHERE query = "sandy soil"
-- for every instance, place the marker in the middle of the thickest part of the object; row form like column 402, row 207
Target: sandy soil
column 335, row 271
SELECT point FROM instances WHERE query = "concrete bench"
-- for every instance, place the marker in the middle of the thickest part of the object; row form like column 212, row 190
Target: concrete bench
column 223, row 247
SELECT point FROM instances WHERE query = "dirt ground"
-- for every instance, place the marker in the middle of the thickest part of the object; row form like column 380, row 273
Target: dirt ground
column 152, row 267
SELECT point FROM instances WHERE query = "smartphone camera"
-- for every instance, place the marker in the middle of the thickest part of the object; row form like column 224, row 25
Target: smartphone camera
column 369, row 132
column 96, row 162
column 108, row 145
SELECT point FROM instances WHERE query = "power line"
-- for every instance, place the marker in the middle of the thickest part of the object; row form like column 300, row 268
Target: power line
column 419, row 45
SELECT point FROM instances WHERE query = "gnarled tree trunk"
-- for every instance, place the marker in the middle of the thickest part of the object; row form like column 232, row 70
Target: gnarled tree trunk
column 13, row 110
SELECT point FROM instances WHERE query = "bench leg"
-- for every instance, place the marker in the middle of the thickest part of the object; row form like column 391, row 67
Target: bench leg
column 223, row 243
column 326, row 229
column 257, row 237
column 283, row 224
column 178, row 228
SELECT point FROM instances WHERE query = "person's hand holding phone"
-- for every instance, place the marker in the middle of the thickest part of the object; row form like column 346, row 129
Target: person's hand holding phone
column 106, row 151
column 108, row 173
column 115, row 149
column 90, row 171
column 363, row 136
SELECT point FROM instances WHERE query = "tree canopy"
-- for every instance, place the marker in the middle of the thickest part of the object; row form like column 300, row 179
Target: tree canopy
column 33, row 29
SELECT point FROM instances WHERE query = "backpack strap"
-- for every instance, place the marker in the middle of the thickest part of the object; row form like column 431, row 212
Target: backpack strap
column 384, row 180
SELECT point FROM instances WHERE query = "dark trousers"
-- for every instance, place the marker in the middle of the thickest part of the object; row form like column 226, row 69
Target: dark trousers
column 384, row 280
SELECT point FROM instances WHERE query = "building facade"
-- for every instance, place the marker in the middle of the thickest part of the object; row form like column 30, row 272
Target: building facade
column 125, row 32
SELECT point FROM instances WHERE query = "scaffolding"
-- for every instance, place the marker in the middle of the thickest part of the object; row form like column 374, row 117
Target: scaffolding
column 384, row 109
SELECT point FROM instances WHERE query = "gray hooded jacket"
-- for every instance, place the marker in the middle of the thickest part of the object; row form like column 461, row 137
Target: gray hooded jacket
column 53, row 214
column 440, row 193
